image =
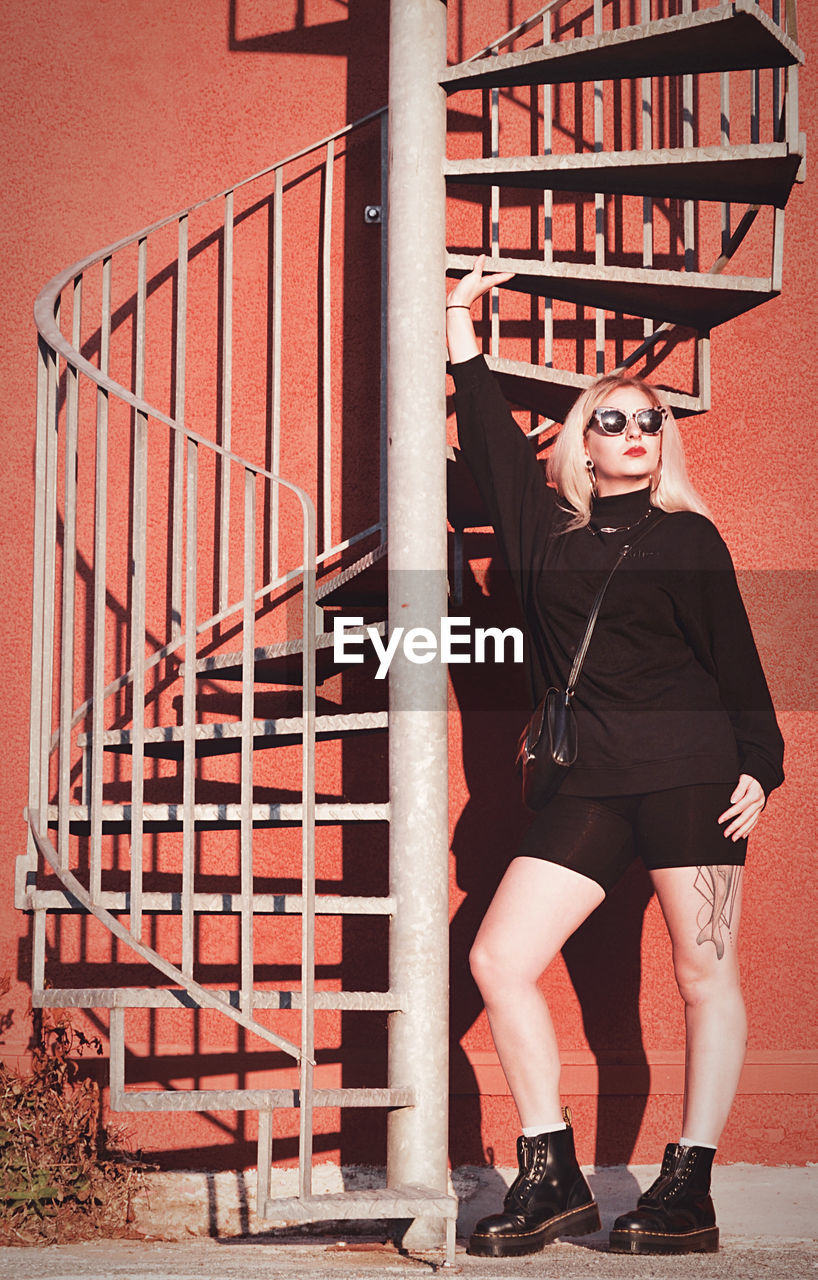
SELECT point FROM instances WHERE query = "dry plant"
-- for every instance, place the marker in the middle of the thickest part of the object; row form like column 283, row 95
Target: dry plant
column 63, row 1176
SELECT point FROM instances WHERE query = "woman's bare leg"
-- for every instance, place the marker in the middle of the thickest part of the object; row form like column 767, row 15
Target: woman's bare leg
column 702, row 909
column 537, row 906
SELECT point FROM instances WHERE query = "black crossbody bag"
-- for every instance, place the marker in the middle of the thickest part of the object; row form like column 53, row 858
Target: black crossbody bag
column 548, row 744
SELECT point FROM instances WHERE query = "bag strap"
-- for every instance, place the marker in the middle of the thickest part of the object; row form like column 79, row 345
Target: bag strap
column 579, row 657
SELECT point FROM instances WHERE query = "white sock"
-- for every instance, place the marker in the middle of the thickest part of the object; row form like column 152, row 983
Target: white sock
column 694, row 1142
column 534, row 1130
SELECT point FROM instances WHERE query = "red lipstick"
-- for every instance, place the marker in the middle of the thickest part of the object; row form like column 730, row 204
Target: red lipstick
column 635, row 451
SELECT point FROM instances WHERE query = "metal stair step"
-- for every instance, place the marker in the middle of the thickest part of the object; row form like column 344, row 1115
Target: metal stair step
column 168, row 817
column 254, row 1100
column 362, row 584
column 167, row 741
column 118, row 902
column 177, row 997
column 753, row 173
column 281, row 663
column 727, row 37
column 551, row 392
column 377, row 1202
column 697, row 300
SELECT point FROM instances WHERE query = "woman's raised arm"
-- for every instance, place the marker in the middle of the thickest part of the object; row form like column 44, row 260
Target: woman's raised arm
column 460, row 335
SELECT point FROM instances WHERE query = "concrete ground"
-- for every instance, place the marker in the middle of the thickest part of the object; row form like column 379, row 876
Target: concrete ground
column 768, row 1219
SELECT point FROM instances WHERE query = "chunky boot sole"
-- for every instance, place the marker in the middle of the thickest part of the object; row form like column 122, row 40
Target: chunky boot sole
column 703, row 1240
column 573, row 1222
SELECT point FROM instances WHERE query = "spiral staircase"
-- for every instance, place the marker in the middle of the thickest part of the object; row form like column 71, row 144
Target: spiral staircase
column 179, row 583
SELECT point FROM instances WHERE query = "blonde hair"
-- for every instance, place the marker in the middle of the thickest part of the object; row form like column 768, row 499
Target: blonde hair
column 566, row 463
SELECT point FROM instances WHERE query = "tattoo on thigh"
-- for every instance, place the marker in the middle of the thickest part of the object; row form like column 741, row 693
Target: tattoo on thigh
column 718, row 885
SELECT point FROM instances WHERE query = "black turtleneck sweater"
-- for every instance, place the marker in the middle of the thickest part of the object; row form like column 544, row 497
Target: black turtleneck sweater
column 672, row 692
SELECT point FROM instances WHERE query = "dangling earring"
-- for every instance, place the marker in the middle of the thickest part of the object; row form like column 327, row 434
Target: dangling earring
column 656, row 479
column 589, row 464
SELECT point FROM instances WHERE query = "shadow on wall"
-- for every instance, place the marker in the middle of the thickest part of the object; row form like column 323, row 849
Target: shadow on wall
column 602, row 958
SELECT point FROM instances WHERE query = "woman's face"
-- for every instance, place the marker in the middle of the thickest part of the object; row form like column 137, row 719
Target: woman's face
column 623, row 463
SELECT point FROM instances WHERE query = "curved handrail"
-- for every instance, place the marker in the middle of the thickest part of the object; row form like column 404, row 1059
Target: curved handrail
column 46, row 300
column 55, row 346
column 53, row 337
column 45, row 309
column 51, row 290
column 520, row 30
column 206, row 998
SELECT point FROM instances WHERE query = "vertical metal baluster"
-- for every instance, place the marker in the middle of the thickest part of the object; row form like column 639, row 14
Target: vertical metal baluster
column 116, row 1066
column 139, row 584
column 703, row 368
column 227, row 402
column 777, row 260
column 38, row 951
column 382, row 501
column 703, row 339
column 326, row 346
column 37, row 797
column 275, row 458
column 178, row 498
column 46, row 710
column 189, row 713
column 724, row 111
column 69, row 562
column 776, row 74
column 755, row 114
column 647, row 145
column 690, row 220
column 599, row 203
column 264, row 1160
column 247, row 703
column 494, row 345
column 548, row 202
column 791, row 82
column 100, row 574
column 791, row 136
column 306, row 1074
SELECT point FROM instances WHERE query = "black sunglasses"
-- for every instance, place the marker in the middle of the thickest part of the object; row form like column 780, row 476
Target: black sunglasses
column 614, row 421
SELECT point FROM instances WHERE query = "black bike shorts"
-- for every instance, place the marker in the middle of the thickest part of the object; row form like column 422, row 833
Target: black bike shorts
column 600, row 836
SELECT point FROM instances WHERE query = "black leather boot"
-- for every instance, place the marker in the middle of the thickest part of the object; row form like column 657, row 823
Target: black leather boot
column 548, row 1198
column 675, row 1215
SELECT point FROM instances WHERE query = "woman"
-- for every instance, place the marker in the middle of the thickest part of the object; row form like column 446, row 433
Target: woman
column 678, row 750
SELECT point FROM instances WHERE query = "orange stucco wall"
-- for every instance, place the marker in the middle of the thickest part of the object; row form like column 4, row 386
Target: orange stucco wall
column 120, row 111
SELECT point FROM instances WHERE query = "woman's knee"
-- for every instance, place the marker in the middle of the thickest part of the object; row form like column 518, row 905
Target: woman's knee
column 703, row 977
column 483, row 963
column 498, row 967
column 501, row 969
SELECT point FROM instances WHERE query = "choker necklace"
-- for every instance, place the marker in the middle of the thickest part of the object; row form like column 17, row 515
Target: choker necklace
column 619, row 528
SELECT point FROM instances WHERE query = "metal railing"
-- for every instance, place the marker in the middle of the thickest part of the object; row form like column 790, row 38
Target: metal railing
column 46, row 744
column 158, row 542
column 650, row 10
column 708, row 109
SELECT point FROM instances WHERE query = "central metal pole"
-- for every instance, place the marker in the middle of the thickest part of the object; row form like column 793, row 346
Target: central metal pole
column 418, row 753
